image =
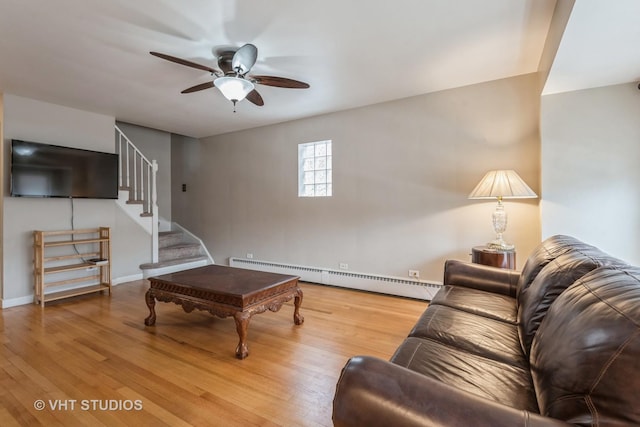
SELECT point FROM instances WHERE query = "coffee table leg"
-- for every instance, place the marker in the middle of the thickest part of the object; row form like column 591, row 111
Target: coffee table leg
column 297, row 317
column 242, row 325
column 151, row 303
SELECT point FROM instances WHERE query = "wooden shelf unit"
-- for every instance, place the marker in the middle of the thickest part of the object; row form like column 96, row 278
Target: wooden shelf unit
column 71, row 262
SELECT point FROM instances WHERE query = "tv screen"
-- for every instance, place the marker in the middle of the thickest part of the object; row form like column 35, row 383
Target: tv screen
column 43, row 170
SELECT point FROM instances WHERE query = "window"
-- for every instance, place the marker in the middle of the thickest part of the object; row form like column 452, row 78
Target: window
column 314, row 169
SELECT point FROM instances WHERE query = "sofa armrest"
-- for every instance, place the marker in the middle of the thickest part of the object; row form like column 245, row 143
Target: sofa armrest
column 481, row 277
column 373, row 392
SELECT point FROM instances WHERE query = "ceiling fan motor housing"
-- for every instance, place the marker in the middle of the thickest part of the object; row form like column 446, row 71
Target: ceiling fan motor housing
column 224, row 62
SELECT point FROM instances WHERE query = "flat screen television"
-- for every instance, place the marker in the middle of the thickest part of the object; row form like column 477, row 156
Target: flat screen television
column 44, row 170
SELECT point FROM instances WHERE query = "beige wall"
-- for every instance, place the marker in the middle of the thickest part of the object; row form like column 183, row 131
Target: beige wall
column 590, row 174
column 402, row 173
column 49, row 123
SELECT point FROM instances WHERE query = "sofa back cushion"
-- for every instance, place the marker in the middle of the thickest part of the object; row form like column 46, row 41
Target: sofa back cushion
column 551, row 281
column 585, row 358
column 542, row 255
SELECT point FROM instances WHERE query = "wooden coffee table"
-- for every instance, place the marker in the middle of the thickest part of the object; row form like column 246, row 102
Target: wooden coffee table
column 226, row 291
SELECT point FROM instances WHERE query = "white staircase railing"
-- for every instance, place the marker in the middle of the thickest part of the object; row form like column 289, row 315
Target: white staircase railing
column 138, row 175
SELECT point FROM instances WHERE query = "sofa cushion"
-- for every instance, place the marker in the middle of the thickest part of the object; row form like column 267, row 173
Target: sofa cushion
column 584, row 357
column 475, row 334
column 488, row 304
column 551, row 281
column 483, row 377
column 542, row 255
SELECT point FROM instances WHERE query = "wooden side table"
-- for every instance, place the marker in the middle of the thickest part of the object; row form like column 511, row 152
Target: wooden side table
column 493, row 257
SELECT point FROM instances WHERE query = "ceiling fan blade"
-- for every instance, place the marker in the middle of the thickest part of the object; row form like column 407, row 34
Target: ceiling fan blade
column 279, row 82
column 185, row 62
column 244, row 58
column 255, row 98
column 196, row 88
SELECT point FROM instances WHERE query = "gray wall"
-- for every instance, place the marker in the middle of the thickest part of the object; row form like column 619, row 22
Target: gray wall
column 185, row 169
column 402, row 174
column 2, row 184
column 155, row 145
column 590, row 174
column 48, row 123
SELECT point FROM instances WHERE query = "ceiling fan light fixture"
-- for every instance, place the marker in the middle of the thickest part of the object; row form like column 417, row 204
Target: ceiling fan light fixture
column 234, row 88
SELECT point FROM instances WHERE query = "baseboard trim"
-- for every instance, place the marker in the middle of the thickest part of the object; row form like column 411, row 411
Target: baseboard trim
column 125, row 279
column 14, row 302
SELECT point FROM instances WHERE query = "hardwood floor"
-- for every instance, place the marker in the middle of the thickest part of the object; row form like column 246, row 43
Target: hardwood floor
column 93, row 358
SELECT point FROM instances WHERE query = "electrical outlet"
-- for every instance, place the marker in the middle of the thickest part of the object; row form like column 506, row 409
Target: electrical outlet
column 414, row 273
column 249, row 255
column 344, row 266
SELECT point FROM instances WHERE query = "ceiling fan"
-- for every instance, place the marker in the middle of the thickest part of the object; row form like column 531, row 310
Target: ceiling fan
column 233, row 79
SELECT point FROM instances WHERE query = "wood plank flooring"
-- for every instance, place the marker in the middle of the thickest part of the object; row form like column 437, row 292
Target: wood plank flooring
column 94, row 358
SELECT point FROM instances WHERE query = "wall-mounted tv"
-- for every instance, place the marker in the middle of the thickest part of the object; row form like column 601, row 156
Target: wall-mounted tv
column 44, row 170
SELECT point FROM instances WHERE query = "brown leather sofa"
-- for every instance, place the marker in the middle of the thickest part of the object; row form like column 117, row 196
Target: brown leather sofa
column 557, row 344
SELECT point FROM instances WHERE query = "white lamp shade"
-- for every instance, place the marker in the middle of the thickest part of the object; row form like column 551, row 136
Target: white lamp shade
column 233, row 88
column 502, row 184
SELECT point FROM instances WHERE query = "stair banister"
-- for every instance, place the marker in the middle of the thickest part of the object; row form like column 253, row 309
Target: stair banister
column 146, row 192
column 154, row 204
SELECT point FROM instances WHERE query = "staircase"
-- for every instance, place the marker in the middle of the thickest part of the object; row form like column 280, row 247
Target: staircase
column 176, row 251
column 170, row 250
column 137, row 187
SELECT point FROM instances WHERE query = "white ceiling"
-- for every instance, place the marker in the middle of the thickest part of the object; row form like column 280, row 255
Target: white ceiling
column 94, row 54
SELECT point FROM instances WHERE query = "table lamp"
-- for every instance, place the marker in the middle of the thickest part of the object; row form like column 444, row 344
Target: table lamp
column 501, row 184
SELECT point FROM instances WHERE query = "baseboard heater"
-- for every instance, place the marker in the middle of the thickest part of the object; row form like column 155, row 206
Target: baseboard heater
column 419, row 289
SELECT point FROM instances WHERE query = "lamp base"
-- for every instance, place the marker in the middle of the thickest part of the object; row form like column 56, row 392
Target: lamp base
column 499, row 219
